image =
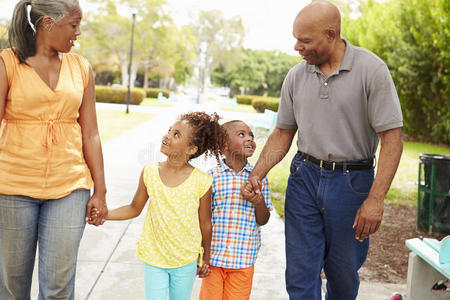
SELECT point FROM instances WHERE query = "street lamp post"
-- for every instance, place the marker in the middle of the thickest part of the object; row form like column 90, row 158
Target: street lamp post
column 131, row 60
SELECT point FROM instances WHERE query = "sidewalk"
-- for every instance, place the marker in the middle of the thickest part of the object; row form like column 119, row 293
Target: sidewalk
column 107, row 268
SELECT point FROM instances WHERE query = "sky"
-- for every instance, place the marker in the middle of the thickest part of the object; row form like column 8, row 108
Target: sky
column 268, row 23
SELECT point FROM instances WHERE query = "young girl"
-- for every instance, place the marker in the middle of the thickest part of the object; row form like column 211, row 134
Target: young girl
column 176, row 237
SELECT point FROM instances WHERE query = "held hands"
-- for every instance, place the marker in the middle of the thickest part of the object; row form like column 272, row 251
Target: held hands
column 95, row 217
column 251, row 190
column 368, row 218
column 203, row 270
column 96, row 210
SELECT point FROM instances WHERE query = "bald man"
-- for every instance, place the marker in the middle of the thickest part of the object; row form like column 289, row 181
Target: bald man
column 341, row 100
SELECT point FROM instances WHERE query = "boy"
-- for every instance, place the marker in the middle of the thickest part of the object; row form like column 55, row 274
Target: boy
column 236, row 236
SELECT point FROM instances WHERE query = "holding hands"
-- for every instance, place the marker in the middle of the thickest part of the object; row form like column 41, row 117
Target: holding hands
column 96, row 216
column 203, row 271
column 251, row 190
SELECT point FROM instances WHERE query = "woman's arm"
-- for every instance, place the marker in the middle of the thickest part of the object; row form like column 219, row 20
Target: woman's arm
column 133, row 209
column 204, row 213
column 3, row 88
column 92, row 150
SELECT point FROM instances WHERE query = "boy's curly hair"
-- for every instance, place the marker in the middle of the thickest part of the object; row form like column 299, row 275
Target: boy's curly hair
column 208, row 135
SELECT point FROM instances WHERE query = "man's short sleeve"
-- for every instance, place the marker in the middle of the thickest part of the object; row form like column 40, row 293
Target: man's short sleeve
column 384, row 106
column 286, row 116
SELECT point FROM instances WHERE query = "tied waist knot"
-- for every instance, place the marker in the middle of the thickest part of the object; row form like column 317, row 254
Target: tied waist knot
column 50, row 137
column 52, row 128
column 50, row 132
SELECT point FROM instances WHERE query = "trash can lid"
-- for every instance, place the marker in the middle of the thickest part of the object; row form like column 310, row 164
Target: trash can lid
column 438, row 158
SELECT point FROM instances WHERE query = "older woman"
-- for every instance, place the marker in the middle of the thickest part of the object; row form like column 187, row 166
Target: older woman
column 50, row 151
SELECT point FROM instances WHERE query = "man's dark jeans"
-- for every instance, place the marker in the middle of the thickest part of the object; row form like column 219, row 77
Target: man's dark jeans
column 320, row 210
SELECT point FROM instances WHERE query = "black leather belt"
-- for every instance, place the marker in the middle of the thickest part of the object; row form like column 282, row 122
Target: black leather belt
column 333, row 165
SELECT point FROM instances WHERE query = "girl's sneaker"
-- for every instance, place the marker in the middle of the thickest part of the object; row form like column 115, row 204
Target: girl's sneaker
column 396, row 296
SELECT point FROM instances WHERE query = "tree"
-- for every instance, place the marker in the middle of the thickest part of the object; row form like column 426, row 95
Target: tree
column 413, row 38
column 257, row 72
column 158, row 44
column 106, row 40
column 222, row 39
column 3, row 34
column 421, row 68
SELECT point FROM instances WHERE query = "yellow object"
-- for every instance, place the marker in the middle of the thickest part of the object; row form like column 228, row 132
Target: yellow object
column 41, row 152
column 171, row 236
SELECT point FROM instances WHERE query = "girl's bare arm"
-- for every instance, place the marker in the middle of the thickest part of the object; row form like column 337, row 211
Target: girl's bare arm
column 133, row 209
column 204, row 213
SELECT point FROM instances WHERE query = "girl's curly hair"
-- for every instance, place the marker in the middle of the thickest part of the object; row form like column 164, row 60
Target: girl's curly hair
column 208, row 135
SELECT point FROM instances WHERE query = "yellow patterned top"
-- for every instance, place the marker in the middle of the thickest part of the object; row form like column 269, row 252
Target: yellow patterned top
column 171, row 236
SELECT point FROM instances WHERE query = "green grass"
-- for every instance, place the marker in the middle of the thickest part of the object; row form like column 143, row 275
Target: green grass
column 154, row 102
column 112, row 123
column 404, row 186
column 403, row 189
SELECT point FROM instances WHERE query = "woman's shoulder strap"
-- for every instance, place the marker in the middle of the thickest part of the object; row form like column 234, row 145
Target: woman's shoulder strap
column 83, row 64
column 10, row 61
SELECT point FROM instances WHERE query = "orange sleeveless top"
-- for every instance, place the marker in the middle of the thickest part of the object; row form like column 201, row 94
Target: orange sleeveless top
column 41, row 153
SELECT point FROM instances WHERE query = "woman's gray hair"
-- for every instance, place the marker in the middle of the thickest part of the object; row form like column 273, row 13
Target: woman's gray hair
column 26, row 19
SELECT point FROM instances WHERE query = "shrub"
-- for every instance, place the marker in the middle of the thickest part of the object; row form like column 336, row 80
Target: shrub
column 118, row 95
column 245, row 99
column 262, row 103
column 153, row 92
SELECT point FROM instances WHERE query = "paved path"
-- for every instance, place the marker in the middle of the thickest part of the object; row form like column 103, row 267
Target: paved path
column 107, row 268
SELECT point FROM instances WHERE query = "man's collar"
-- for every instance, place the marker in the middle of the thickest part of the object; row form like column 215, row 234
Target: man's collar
column 347, row 61
column 346, row 64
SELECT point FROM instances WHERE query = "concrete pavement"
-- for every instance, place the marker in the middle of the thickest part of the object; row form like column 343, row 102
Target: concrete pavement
column 107, row 268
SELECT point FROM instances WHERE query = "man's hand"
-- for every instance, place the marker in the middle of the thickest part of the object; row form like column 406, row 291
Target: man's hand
column 101, row 210
column 256, row 199
column 368, row 218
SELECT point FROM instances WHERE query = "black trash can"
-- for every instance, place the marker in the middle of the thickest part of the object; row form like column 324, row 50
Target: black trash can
column 433, row 197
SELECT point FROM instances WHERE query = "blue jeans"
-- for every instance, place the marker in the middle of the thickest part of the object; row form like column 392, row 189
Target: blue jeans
column 320, row 209
column 179, row 281
column 57, row 226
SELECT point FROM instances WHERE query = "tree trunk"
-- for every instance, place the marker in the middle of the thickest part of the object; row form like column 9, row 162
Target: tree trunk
column 124, row 70
column 146, row 67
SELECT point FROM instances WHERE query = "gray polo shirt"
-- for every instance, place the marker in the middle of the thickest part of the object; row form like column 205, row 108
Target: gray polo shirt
column 338, row 117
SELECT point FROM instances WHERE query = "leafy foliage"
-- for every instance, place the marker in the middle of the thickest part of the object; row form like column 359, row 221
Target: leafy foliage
column 118, row 95
column 153, row 93
column 262, row 103
column 258, row 72
column 413, row 38
column 3, row 34
column 245, row 99
column 421, row 68
column 219, row 41
column 160, row 47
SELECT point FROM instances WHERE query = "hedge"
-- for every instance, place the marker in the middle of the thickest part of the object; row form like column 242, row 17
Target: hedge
column 118, row 95
column 245, row 99
column 153, row 92
column 262, row 103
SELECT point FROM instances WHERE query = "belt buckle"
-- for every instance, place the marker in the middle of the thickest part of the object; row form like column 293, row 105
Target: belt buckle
column 334, row 165
column 321, row 163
